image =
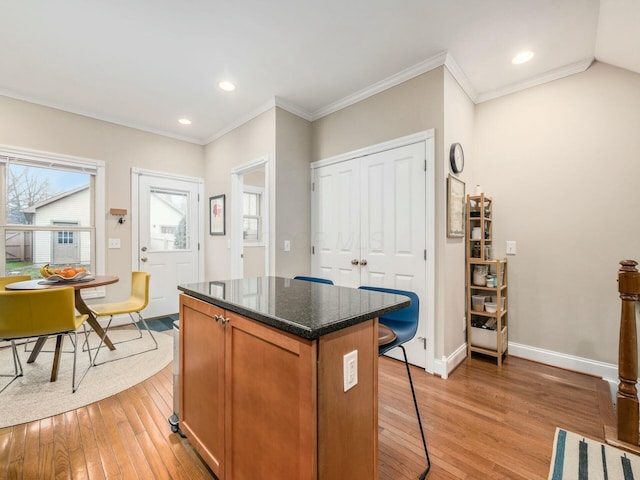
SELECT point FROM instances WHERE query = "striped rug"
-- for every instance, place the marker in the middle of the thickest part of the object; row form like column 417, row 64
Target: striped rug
column 580, row 458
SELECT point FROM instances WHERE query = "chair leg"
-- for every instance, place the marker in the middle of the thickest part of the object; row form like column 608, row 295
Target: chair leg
column 144, row 322
column 17, row 366
column 415, row 403
column 75, row 386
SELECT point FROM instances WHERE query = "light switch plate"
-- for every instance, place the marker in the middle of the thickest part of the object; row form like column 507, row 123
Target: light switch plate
column 287, row 245
column 511, row 247
column 350, row 367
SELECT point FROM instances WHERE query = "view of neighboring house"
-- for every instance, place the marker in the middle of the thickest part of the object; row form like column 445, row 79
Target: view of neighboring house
column 166, row 210
column 68, row 209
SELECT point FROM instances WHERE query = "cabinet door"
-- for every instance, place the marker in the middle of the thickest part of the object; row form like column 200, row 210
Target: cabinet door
column 202, row 380
column 271, row 403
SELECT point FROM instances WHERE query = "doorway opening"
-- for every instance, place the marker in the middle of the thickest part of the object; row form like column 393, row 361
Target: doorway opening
column 250, row 225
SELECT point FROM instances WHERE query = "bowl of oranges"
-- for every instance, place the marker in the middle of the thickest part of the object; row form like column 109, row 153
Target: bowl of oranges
column 66, row 274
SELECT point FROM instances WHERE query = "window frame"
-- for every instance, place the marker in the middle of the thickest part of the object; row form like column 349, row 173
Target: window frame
column 258, row 191
column 93, row 167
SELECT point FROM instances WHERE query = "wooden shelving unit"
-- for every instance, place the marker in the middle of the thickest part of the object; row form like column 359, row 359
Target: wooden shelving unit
column 487, row 332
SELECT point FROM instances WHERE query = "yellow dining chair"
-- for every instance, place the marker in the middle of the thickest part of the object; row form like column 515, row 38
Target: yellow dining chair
column 134, row 304
column 17, row 366
column 37, row 313
column 12, row 279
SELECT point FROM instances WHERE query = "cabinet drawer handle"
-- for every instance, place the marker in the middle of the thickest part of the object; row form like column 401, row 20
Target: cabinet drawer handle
column 355, row 262
column 223, row 320
column 216, row 317
column 363, row 262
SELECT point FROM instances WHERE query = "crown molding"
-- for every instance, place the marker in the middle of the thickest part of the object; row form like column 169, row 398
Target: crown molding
column 551, row 75
column 460, row 77
column 400, row 77
column 242, row 120
column 294, row 109
column 96, row 116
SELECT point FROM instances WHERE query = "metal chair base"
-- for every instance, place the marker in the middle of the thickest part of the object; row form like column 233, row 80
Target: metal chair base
column 17, row 366
column 106, row 330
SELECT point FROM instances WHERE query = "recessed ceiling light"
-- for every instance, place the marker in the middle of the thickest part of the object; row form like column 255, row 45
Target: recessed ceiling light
column 522, row 57
column 184, row 121
column 227, row 86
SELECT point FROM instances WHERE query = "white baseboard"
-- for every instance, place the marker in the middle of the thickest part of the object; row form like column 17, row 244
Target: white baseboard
column 607, row 371
column 446, row 365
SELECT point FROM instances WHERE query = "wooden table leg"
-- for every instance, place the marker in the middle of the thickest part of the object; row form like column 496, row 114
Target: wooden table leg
column 36, row 349
column 82, row 307
column 56, row 358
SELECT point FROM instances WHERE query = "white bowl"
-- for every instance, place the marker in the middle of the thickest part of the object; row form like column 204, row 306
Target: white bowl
column 491, row 307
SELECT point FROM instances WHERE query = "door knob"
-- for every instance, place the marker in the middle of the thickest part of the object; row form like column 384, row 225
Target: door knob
column 354, row 261
column 144, row 249
column 143, row 259
column 363, row 262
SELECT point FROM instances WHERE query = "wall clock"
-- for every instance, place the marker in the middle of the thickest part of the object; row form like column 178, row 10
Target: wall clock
column 456, row 158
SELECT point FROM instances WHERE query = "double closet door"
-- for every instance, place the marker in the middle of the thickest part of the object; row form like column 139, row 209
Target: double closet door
column 369, row 223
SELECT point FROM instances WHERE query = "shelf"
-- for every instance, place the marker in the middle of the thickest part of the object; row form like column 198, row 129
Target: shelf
column 479, row 210
column 487, row 314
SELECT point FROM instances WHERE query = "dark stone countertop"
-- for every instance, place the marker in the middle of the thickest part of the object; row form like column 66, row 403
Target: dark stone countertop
column 306, row 309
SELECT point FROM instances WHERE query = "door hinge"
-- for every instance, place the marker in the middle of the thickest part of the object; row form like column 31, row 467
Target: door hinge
column 425, row 253
column 425, row 165
column 198, row 197
column 313, row 250
column 198, row 246
column 313, row 186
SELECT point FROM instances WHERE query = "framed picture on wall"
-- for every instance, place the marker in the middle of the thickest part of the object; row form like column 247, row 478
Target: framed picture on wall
column 216, row 215
column 455, row 207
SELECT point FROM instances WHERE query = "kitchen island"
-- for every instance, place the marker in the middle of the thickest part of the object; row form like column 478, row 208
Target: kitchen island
column 262, row 377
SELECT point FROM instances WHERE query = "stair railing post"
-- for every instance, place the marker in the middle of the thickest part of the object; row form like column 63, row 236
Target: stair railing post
column 627, row 396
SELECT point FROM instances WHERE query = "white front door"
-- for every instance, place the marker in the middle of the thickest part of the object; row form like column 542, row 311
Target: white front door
column 168, row 243
column 370, row 227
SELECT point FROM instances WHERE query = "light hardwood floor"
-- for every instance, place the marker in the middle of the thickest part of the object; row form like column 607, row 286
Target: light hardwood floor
column 484, row 422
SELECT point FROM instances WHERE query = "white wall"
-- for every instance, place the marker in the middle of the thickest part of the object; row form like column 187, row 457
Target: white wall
column 562, row 164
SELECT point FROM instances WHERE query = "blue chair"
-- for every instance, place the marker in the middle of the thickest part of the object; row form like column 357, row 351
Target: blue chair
column 404, row 324
column 313, row 279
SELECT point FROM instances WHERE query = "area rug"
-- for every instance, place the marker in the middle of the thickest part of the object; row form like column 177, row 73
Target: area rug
column 33, row 396
column 580, row 458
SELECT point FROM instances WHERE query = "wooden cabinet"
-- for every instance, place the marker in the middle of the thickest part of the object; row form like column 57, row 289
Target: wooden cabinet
column 486, row 283
column 258, row 402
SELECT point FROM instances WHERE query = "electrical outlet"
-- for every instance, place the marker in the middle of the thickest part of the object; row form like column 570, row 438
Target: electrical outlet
column 114, row 243
column 350, row 367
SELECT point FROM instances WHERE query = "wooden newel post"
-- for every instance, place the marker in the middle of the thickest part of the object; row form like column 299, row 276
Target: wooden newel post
column 627, row 397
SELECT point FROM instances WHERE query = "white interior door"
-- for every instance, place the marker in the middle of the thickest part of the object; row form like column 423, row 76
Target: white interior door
column 169, row 237
column 336, row 216
column 370, row 227
column 393, row 229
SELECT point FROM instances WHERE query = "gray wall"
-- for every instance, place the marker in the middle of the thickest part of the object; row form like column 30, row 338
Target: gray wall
column 30, row 126
column 562, row 164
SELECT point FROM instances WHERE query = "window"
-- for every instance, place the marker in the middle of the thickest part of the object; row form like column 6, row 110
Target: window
column 51, row 211
column 252, row 215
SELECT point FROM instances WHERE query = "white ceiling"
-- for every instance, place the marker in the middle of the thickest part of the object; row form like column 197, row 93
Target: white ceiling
column 146, row 63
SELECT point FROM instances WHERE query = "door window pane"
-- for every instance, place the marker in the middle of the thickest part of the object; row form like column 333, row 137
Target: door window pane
column 168, row 220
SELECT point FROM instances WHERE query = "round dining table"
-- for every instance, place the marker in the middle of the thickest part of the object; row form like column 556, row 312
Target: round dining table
column 81, row 307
